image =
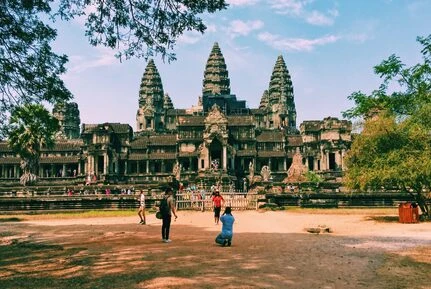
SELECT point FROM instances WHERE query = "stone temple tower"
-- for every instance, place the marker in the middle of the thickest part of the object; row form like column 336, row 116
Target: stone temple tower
column 278, row 100
column 68, row 118
column 151, row 101
column 216, row 84
column 216, row 77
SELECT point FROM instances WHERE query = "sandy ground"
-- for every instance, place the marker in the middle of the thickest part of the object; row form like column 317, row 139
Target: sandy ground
column 269, row 250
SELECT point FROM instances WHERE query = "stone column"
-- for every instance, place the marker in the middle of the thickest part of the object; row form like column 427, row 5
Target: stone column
column 16, row 171
column 338, row 157
column 342, row 159
column 285, row 164
column 63, row 171
column 105, row 164
column 224, row 157
column 148, row 166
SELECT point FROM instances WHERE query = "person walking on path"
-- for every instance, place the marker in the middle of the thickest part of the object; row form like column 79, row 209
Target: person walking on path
column 217, row 200
column 167, row 209
column 225, row 237
column 141, row 210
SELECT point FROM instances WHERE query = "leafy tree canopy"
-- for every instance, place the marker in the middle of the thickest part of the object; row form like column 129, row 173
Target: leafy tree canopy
column 394, row 148
column 411, row 87
column 31, row 128
column 29, row 69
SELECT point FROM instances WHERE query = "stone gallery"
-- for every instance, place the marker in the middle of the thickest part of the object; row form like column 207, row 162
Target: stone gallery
column 219, row 139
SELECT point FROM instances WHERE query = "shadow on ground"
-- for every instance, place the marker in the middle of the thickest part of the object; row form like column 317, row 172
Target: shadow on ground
column 133, row 256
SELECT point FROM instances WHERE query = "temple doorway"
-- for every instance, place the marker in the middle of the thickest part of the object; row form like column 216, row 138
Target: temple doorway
column 216, row 149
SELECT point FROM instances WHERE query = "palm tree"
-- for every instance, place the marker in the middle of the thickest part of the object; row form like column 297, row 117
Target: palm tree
column 31, row 127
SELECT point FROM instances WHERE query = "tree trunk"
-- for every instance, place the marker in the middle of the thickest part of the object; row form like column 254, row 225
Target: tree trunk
column 421, row 200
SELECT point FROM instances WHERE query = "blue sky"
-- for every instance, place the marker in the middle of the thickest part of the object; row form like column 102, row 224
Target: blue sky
column 330, row 48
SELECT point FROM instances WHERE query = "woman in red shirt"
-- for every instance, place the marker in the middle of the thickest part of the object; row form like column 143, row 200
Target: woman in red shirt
column 217, row 200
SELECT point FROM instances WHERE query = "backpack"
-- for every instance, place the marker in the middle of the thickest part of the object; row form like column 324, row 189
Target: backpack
column 164, row 207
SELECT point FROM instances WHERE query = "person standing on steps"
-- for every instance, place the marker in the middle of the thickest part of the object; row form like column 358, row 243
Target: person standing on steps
column 167, row 209
column 141, row 210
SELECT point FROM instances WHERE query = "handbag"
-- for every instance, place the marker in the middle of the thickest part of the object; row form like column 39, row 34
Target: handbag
column 159, row 215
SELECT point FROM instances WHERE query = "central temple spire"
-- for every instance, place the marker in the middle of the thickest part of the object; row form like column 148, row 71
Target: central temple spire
column 216, row 78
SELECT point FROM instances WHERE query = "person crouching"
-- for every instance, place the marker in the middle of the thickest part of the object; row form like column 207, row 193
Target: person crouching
column 225, row 237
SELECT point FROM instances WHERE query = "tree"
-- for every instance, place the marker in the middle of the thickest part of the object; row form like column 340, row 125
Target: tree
column 31, row 127
column 394, row 148
column 30, row 71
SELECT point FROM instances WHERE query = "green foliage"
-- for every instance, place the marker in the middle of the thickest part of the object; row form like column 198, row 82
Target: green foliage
column 30, row 71
column 31, row 127
column 312, row 177
column 413, row 83
column 141, row 28
column 394, row 148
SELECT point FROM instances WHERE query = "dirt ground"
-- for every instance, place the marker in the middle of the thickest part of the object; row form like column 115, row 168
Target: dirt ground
column 269, row 250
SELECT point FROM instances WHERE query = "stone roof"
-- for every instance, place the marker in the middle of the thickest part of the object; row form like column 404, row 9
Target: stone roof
column 137, row 157
column 240, row 120
column 162, row 156
column 188, row 154
column 10, row 160
column 163, row 140
column 59, row 160
column 294, row 140
column 310, row 126
column 244, row 153
column 267, row 154
column 118, row 128
column 271, row 136
column 191, row 120
column 4, row 147
column 257, row 111
column 66, row 145
column 141, row 142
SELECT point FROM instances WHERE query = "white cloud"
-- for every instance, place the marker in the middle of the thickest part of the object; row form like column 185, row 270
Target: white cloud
column 317, row 18
column 104, row 57
column 239, row 27
column 242, row 2
column 189, row 37
column 291, row 7
column 295, row 44
column 211, row 28
column 298, row 8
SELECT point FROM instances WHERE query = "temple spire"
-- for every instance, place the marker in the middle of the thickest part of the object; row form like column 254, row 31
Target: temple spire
column 216, row 77
column 167, row 104
column 150, row 115
column 151, row 91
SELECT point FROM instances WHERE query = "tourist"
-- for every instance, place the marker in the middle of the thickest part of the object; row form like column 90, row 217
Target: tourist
column 167, row 208
column 141, row 210
column 217, row 201
column 225, row 237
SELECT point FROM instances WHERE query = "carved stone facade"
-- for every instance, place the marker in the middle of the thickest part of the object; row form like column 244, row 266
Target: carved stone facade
column 219, row 139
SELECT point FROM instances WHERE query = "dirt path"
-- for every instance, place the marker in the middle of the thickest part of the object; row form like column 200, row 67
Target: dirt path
column 270, row 250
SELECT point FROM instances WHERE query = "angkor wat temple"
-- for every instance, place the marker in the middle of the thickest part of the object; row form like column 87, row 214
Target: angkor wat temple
column 219, row 139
